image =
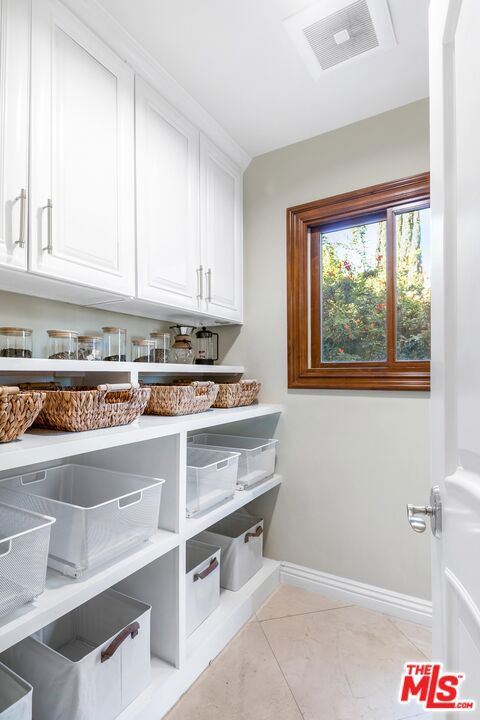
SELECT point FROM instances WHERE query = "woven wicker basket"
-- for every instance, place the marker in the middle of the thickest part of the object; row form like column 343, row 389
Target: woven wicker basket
column 238, row 394
column 181, row 399
column 85, row 408
column 18, row 410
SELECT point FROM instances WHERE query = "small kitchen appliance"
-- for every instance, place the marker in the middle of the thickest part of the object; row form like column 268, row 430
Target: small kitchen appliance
column 207, row 347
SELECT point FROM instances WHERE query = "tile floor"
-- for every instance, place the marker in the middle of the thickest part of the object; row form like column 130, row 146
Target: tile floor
column 306, row 657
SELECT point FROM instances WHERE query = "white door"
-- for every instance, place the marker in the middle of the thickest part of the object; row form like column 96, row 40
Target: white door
column 221, row 209
column 82, row 150
column 455, row 208
column 168, row 261
column 14, row 96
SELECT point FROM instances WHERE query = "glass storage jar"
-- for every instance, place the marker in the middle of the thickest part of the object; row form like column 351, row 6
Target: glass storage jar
column 114, row 344
column 142, row 350
column 62, row 345
column 15, row 342
column 161, row 346
column 90, row 347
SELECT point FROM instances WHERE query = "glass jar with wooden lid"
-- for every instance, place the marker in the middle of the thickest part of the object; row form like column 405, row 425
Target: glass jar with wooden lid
column 90, row 347
column 62, row 345
column 114, row 344
column 15, row 342
column 142, row 350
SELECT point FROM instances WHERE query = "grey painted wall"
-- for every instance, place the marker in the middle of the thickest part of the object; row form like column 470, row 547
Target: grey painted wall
column 351, row 460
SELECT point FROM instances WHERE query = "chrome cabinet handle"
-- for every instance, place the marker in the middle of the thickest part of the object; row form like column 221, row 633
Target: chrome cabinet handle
column 208, row 278
column 200, row 283
column 417, row 514
column 21, row 235
column 49, row 246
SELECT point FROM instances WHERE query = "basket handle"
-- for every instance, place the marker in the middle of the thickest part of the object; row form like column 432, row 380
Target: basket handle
column 8, row 545
column 208, row 570
column 256, row 534
column 131, row 630
column 113, row 387
column 6, row 390
column 130, row 500
column 34, row 477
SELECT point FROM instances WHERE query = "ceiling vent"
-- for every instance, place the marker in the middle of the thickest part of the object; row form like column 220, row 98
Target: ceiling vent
column 334, row 32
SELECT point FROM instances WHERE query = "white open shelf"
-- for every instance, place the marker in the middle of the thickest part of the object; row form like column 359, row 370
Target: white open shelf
column 155, row 571
column 45, row 366
column 38, row 446
column 197, row 524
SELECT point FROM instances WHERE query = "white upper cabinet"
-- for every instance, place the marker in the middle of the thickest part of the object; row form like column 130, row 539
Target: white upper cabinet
column 167, row 161
column 221, row 232
column 14, row 94
column 82, row 155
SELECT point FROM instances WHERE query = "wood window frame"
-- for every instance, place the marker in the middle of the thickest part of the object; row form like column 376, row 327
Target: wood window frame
column 304, row 295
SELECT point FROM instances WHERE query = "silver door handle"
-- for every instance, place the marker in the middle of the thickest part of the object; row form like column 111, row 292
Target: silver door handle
column 21, row 234
column 49, row 246
column 208, row 278
column 200, row 283
column 417, row 514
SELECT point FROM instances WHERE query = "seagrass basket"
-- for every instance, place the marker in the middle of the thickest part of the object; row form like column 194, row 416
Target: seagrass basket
column 75, row 409
column 181, row 399
column 18, row 410
column 237, row 394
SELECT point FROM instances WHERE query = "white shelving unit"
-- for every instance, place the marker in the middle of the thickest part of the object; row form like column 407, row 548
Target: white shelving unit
column 155, row 571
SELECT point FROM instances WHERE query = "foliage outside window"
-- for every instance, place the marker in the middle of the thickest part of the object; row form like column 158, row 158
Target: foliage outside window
column 359, row 289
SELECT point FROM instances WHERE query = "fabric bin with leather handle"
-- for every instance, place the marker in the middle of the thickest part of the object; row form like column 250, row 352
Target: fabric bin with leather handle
column 240, row 537
column 89, row 664
column 15, row 696
column 99, row 514
column 202, row 582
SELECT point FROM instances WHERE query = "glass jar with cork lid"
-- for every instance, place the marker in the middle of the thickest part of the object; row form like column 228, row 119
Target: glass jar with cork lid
column 62, row 345
column 15, row 342
column 114, row 344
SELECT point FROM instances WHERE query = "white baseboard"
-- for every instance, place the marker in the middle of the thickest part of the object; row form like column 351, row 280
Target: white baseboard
column 357, row 593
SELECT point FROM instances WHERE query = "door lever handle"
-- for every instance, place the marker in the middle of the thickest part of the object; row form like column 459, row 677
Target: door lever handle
column 415, row 513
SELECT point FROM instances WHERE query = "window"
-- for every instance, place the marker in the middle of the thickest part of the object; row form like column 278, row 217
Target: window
column 359, row 289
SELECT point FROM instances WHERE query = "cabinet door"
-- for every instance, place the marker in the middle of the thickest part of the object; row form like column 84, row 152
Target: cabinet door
column 82, row 135
column 14, row 94
column 221, row 228
column 167, row 202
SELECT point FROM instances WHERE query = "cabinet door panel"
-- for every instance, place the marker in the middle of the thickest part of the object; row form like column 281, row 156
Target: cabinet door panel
column 221, row 212
column 167, row 202
column 84, row 163
column 14, row 94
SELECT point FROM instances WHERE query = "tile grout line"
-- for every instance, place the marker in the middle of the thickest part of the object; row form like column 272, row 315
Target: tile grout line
column 281, row 670
column 406, row 637
column 310, row 612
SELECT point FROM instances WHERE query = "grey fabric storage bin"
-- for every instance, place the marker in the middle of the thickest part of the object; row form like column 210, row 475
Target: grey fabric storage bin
column 76, row 671
column 202, row 582
column 240, row 537
column 15, row 696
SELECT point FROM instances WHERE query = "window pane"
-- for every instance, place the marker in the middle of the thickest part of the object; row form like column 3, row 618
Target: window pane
column 354, row 293
column 413, row 253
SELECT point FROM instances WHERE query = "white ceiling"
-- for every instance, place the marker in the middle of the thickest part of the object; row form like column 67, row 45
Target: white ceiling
column 238, row 61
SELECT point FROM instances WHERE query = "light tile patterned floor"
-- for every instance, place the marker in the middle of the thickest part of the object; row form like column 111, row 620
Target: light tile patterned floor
column 306, row 657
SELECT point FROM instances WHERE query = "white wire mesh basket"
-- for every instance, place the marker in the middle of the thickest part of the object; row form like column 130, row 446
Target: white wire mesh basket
column 100, row 514
column 24, row 539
